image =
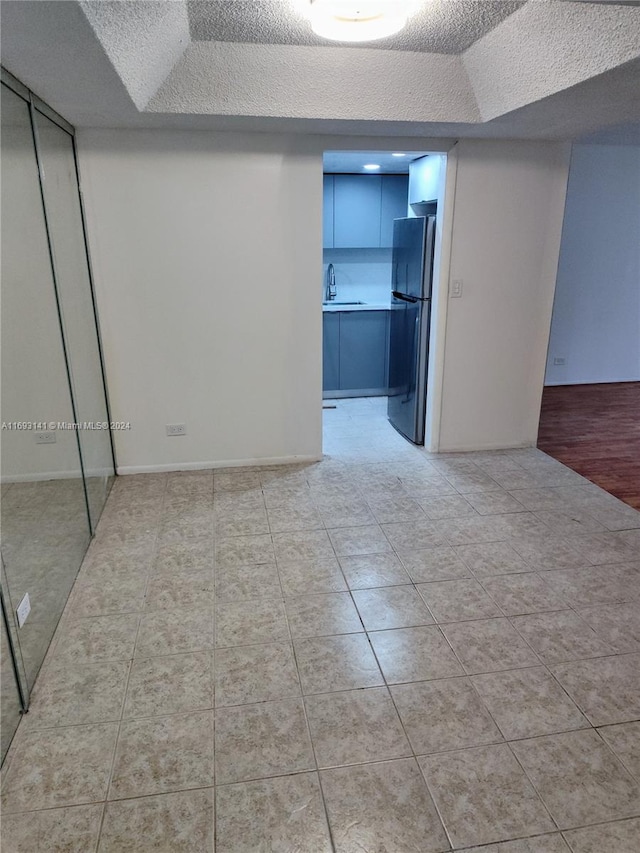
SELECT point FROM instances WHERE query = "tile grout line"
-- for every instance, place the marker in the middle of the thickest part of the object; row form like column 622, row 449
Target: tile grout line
column 153, row 550
column 617, row 757
column 398, row 715
column 213, row 664
column 349, row 589
column 311, row 743
column 469, row 680
column 65, row 619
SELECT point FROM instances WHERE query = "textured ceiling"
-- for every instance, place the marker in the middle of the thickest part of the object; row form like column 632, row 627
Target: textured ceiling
column 440, row 26
column 551, row 69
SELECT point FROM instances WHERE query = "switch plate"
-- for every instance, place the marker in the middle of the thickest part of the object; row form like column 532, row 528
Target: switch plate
column 456, row 288
column 559, row 361
column 176, row 429
column 45, row 438
column 23, row 610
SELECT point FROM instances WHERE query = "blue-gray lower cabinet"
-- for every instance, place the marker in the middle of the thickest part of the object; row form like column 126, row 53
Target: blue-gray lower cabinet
column 358, row 345
column 330, row 351
column 363, row 350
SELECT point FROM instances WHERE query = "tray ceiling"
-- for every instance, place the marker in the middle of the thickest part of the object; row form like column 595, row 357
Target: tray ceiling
column 541, row 69
column 440, row 26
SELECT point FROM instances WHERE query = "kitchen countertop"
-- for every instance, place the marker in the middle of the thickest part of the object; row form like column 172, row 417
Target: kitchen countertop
column 367, row 306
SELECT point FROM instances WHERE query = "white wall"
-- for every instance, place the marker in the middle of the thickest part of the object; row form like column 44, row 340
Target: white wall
column 207, row 254
column 444, row 172
column 596, row 313
column 207, row 250
column 507, row 220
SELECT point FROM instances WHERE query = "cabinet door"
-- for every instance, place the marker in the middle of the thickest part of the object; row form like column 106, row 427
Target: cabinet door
column 327, row 212
column 356, row 211
column 330, row 351
column 395, row 202
column 424, row 178
column 363, row 350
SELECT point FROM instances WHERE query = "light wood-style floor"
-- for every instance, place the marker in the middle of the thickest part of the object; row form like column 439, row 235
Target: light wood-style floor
column 595, row 429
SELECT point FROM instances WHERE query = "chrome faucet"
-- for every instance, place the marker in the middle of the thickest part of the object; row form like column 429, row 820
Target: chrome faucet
column 332, row 290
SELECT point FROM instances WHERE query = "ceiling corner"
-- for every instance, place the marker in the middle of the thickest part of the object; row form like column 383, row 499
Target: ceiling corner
column 544, row 48
column 143, row 40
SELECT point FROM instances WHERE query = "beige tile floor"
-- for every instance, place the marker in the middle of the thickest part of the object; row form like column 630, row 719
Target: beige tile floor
column 45, row 533
column 387, row 651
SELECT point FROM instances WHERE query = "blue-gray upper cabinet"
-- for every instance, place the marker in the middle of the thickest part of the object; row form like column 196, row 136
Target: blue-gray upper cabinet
column 330, row 351
column 363, row 350
column 395, row 197
column 356, row 211
column 327, row 211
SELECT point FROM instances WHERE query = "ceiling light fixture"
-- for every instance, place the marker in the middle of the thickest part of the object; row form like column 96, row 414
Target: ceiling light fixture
column 371, row 166
column 357, row 20
column 398, row 154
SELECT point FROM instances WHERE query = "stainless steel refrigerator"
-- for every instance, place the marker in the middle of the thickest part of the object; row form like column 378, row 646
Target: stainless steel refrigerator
column 411, row 286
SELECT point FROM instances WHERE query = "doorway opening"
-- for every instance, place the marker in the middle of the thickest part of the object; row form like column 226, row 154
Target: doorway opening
column 591, row 395
column 382, row 214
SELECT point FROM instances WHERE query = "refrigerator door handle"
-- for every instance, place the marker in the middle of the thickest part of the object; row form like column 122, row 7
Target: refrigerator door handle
column 404, row 297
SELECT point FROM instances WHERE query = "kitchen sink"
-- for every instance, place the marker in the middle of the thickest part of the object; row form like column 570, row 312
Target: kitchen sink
column 334, row 302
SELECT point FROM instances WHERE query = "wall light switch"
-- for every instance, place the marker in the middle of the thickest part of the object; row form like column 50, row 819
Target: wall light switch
column 45, row 438
column 456, row 288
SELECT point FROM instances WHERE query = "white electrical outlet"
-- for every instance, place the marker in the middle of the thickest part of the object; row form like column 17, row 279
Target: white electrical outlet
column 45, row 438
column 23, row 610
column 176, row 429
column 559, row 361
column 456, row 288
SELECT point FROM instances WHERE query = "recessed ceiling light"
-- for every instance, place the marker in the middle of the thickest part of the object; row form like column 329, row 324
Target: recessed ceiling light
column 371, row 166
column 398, row 154
column 357, row 20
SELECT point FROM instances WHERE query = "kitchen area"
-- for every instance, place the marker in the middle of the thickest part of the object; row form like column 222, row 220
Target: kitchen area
column 378, row 241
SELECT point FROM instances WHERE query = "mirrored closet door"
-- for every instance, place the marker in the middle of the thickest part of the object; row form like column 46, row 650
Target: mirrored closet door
column 57, row 467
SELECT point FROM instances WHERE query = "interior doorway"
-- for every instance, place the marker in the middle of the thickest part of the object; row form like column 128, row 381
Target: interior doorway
column 591, row 399
column 381, row 231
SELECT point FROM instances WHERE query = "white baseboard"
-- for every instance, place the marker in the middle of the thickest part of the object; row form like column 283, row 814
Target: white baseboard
column 590, row 382
column 55, row 475
column 40, row 475
column 478, row 448
column 223, row 463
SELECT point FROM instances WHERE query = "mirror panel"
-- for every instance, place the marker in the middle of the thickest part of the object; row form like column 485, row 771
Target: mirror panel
column 45, row 530
column 75, row 295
